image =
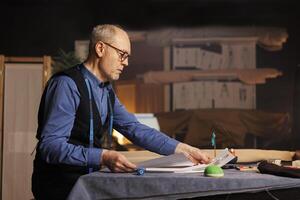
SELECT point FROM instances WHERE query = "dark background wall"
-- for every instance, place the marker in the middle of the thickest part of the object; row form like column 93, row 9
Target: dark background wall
column 37, row 27
column 41, row 27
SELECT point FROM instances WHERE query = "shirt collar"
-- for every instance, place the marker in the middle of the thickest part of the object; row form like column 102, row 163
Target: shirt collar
column 95, row 81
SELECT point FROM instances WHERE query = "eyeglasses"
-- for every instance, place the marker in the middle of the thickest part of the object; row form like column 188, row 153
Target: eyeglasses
column 122, row 54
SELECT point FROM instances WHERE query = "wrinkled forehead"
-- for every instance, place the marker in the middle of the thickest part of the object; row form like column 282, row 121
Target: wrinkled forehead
column 121, row 40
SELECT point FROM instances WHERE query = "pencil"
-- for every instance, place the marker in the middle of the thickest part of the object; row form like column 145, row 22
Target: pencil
column 215, row 151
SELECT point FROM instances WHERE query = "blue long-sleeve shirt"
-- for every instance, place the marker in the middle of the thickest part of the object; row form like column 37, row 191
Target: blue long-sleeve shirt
column 61, row 103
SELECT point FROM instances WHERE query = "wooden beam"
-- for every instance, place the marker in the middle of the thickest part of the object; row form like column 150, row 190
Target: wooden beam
column 46, row 60
column 24, row 59
column 2, row 58
column 46, row 69
column 45, row 72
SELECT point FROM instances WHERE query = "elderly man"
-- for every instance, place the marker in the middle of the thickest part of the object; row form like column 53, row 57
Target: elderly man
column 79, row 108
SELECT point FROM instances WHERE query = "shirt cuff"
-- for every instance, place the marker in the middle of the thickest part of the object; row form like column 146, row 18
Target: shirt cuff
column 94, row 155
column 169, row 147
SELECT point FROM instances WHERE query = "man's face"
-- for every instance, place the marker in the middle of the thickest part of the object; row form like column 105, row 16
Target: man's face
column 113, row 62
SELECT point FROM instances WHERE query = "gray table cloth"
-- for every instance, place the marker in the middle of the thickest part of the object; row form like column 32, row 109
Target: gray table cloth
column 105, row 185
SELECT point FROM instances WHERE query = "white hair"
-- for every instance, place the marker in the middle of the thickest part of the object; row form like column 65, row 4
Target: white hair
column 105, row 33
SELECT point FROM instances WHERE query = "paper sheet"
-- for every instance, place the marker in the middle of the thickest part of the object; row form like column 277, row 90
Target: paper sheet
column 178, row 163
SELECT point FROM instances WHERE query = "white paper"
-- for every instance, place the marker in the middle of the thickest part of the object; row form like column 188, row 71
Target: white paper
column 178, row 163
column 224, row 95
column 239, row 56
column 184, row 96
column 209, row 60
column 247, row 97
column 185, row 57
column 174, row 160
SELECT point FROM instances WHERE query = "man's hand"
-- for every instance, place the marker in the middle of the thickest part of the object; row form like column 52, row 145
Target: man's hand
column 192, row 153
column 116, row 162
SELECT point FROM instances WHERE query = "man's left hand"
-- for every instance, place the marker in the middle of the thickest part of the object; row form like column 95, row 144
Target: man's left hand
column 192, row 153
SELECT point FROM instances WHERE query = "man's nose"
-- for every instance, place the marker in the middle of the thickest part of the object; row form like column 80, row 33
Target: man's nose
column 125, row 62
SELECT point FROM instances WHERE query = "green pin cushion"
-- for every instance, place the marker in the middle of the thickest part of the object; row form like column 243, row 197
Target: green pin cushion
column 213, row 171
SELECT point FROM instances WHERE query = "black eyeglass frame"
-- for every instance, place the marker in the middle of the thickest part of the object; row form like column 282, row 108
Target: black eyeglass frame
column 123, row 54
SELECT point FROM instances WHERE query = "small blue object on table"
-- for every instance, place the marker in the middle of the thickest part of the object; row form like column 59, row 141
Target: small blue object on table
column 140, row 171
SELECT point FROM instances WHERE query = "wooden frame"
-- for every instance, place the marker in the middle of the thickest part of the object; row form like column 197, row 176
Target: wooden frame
column 1, row 116
column 46, row 60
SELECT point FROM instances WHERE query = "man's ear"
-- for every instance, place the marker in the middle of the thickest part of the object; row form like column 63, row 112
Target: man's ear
column 99, row 49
